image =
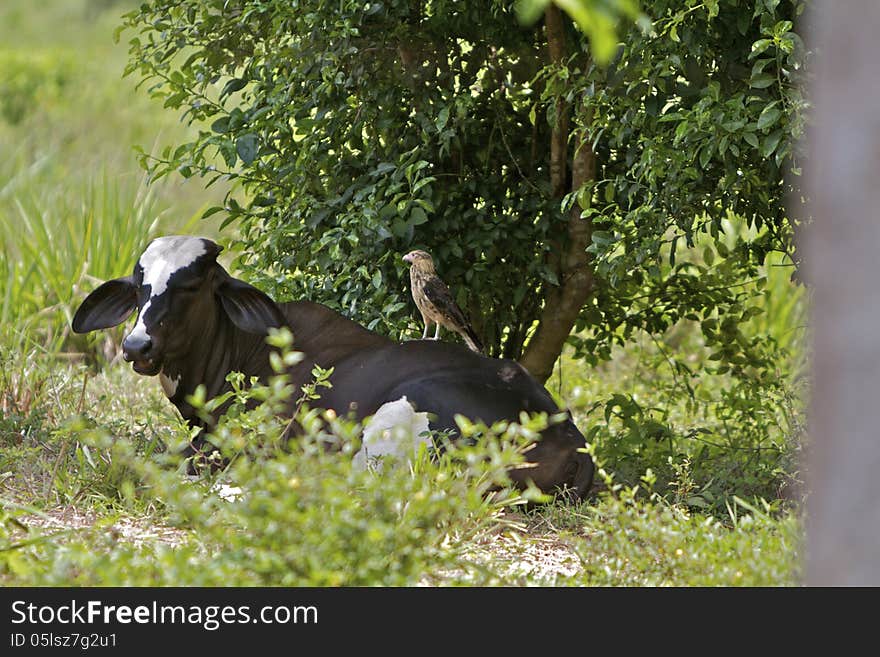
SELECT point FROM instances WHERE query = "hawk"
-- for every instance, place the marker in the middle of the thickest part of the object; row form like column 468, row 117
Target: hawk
column 435, row 302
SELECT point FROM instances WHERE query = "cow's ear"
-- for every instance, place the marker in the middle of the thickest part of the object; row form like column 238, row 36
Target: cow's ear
column 212, row 248
column 108, row 305
column 249, row 309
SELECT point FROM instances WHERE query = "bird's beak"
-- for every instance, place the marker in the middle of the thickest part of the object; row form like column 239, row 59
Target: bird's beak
column 407, row 258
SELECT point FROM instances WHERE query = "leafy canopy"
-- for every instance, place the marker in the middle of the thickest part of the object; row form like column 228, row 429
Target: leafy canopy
column 359, row 130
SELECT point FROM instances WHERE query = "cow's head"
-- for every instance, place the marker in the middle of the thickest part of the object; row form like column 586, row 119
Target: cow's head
column 558, row 462
column 177, row 289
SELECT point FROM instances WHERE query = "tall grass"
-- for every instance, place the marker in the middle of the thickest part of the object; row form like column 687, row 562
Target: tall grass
column 58, row 242
column 54, row 243
column 75, row 208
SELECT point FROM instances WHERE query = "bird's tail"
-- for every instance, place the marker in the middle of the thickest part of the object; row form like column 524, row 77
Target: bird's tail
column 471, row 340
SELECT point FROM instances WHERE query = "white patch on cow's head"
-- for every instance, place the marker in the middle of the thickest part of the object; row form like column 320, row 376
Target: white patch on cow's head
column 162, row 258
column 166, row 255
column 395, row 431
column 169, row 385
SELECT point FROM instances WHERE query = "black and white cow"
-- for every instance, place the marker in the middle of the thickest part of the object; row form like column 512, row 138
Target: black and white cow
column 196, row 324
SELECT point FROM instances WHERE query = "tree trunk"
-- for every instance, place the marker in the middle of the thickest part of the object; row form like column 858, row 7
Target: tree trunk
column 559, row 138
column 569, row 258
column 843, row 513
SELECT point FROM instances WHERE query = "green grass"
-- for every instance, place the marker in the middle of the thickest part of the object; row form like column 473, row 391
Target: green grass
column 88, row 494
column 75, row 207
column 308, row 518
column 661, row 404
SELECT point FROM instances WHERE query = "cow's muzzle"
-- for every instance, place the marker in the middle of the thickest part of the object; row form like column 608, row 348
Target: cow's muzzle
column 141, row 353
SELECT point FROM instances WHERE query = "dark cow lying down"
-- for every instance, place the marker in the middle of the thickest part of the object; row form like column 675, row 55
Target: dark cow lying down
column 196, row 324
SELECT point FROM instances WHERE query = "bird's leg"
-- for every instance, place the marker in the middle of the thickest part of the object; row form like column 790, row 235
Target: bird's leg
column 437, row 332
column 425, row 332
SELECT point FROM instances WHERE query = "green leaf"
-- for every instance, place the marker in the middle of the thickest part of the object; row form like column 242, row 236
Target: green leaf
column 211, row 211
column 422, row 183
column 708, row 256
column 769, row 116
column 781, row 154
column 734, row 125
column 235, row 84
column 417, row 216
column 425, row 204
column 609, row 192
column 751, row 139
column 681, row 130
column 601, row 237
column 771, row 141
column 228, row 151
column 705, row 155
column 742, row 22
column 383, row 168
column 247, row 147
column 550, row 276
column 528, row 11
column 782, row 27
column 221, row 125
column 584, row 198
column 399, row 227
column 712, row 7
column 762, row 81
column 760, row 46
column 442, row 118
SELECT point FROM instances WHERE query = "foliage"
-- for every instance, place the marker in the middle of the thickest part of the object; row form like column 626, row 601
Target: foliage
column 360, row 130
column 664, row 403
column 696, row 126
column 619, row 541
column 311, row 109
column 702, row 120
column 304, row 516
column 598, row 19
column 626, row 547
column 28, row 81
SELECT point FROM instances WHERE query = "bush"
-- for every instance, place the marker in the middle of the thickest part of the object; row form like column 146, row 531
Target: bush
column 302, row 514
column 29, row 82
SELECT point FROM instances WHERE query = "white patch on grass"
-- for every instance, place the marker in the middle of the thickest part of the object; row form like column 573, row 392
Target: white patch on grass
column 394, row 433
